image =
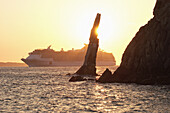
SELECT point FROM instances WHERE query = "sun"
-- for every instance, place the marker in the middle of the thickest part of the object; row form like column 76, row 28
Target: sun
column 96, row 31
column 106, row 30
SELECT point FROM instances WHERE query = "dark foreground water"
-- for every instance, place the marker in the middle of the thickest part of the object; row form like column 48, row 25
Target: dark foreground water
column 24, row 89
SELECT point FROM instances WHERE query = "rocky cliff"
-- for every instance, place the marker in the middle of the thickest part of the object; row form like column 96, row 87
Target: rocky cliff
column 146, row 59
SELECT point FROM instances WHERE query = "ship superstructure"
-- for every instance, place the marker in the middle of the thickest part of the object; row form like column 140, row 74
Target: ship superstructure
column 48, row 58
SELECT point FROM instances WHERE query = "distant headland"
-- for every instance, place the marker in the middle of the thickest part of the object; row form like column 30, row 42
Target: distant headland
column 12, row 64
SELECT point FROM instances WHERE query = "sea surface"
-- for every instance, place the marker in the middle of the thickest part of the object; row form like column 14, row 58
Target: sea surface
column 46, row 89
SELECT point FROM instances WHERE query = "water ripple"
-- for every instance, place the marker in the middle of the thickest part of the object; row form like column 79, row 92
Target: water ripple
column 48, row 90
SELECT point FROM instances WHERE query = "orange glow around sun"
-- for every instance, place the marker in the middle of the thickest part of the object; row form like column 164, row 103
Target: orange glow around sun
column 67, row 24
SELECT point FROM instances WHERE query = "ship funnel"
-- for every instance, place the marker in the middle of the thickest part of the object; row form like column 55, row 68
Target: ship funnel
column 49, row 47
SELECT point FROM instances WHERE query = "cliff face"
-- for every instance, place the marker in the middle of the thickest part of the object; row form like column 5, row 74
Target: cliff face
column 146, row 59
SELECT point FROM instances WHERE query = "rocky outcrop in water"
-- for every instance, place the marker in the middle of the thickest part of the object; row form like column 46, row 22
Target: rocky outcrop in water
column 106, row 77
column 89, row 66
column 146, row 59
column 76, row 78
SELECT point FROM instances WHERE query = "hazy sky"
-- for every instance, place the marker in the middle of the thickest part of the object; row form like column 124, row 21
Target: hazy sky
column 26, row 25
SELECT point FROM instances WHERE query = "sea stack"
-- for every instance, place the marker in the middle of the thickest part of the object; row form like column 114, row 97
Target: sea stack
column 89, row 65
column 146, row 59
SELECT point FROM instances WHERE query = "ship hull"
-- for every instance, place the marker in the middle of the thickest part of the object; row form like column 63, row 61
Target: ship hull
column 39, row 63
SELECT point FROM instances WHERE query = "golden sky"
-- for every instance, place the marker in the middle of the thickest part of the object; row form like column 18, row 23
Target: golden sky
column 26, row 25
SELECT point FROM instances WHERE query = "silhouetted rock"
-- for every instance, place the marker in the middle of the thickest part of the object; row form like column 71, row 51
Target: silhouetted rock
column 89, row 66
column 76, row 78
column 146, row 59
column 106, row 77
column 68, row 74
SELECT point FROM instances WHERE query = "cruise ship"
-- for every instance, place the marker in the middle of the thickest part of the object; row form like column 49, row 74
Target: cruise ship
column 49, row 58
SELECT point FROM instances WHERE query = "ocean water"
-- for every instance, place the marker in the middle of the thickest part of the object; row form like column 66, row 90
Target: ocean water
column 46, row 89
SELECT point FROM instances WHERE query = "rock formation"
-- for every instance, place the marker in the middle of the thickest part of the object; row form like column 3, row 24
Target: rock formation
column 89, row 66
column 106, row 77
column 76, row 78
column 146, row 59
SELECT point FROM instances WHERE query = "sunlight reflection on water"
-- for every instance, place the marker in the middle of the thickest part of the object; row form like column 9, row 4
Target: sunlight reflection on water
column 48, row 90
